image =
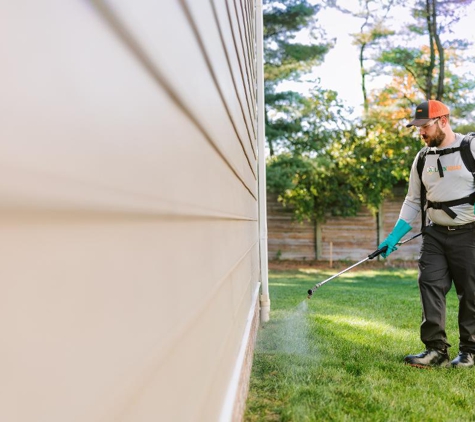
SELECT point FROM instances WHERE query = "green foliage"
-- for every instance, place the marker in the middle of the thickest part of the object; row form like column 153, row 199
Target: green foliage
column 286, row 59
column 376, row 32
column 376, row 157
column 284, row 18
column 304, row 124
column 401, row 56
column 465, row 128
column 312, row 187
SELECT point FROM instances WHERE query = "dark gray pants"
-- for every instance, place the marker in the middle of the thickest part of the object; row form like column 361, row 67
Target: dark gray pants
column 447, row 256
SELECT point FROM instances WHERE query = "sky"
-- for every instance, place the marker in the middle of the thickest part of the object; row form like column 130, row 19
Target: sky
column 340, row 70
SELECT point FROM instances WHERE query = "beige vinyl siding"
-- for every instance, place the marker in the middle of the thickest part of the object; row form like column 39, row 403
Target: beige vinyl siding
column 129, row 239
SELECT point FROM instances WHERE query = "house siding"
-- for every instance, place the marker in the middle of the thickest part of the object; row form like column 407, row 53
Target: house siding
column 128, row 208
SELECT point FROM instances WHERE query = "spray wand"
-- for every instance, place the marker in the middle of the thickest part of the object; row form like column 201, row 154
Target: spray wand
column 370, row 256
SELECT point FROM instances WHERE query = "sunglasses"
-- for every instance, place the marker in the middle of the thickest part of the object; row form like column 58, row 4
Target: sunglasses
column 429, row 124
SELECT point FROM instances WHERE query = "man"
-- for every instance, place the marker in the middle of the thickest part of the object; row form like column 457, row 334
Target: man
column 448, row 246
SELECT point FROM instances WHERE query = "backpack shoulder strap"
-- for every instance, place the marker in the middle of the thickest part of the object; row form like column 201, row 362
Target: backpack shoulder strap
column 466, row 153
column 421, row 161
column 420, row 168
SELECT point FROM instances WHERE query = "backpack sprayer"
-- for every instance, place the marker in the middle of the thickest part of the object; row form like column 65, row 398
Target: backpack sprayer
column 370, row 256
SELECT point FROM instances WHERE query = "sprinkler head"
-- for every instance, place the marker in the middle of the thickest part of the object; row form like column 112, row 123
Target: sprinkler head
column 310, row 293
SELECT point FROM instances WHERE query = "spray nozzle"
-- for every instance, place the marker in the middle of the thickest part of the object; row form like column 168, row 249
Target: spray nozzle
column 310, row 293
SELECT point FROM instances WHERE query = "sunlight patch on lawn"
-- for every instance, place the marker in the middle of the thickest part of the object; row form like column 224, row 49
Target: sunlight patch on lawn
column 352, row 327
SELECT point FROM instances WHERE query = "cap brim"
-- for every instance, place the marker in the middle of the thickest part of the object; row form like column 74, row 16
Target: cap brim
column 418, row 122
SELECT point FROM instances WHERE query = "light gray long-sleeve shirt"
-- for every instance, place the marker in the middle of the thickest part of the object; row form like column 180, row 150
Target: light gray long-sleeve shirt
column 457, row 183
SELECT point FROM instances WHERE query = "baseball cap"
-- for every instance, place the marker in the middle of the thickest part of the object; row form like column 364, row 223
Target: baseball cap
column 427, row 111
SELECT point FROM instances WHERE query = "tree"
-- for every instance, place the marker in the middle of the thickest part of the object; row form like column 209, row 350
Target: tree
column 287, row 59
column 431, row 67
column 377, row 158
column 305, row 124
column 427, row 14
column 301, row 128
column 373, row 14
column 305, row 174
column 313, row 187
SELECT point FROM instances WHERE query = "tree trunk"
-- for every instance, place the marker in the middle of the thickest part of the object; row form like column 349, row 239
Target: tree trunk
column 440, row 49
column 269, row 141
column 363, row 79
column 431, row 66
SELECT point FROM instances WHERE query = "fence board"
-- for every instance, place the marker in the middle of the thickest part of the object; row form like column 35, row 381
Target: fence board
column 340, row 238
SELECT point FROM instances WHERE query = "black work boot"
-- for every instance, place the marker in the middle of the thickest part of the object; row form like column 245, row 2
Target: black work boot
column 428, row 358
column 463, row 360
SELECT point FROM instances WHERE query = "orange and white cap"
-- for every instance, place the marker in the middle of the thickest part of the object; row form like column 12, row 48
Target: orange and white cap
column 427, row 111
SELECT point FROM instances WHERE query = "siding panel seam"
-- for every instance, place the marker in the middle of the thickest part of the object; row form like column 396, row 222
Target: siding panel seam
column 129, row 40
column 203, row 49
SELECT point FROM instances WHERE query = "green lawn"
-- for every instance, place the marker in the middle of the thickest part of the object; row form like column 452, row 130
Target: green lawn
column 339, row 356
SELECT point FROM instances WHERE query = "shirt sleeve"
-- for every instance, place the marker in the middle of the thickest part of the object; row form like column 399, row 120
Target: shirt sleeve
column 411, row 206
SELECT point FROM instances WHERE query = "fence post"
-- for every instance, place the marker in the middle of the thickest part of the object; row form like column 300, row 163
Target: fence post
column 318, row 241
column 379, row 227
column 331, row 254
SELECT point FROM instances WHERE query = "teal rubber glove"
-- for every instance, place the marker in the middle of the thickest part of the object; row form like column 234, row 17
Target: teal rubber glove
column 400, row 229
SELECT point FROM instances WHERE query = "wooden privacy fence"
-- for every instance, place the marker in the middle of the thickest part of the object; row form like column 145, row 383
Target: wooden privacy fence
column 338, row 238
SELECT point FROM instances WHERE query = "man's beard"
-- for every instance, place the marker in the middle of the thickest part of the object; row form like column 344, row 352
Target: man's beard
column 436, row 139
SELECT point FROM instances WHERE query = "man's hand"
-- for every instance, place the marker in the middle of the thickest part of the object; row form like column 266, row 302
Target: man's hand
column 400, row 229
